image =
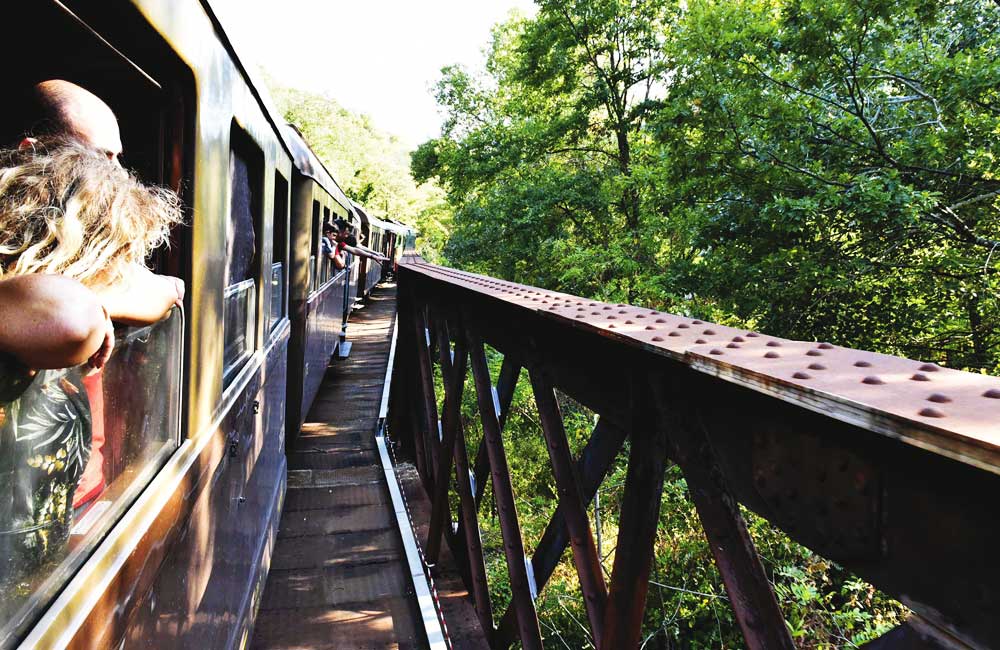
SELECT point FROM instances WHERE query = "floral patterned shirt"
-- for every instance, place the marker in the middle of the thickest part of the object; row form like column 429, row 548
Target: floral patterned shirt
column 45, row 437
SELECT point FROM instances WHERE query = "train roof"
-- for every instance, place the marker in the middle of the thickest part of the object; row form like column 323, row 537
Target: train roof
column 385, row 224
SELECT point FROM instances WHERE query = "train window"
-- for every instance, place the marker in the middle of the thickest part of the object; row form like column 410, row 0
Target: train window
column 314, row 247
column 325, row 265
column 246, row 164
column 279, row 248
column 75, row 450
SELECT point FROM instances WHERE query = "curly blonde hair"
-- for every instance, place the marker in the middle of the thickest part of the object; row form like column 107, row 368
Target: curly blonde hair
column 66, row 210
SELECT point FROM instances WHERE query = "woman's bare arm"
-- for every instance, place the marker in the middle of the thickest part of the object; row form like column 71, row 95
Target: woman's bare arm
column 51, row 321
column 146, row 298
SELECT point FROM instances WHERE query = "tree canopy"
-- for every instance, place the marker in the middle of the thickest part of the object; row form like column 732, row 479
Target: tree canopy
column 815, row 169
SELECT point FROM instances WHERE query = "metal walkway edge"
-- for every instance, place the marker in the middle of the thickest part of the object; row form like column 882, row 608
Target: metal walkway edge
column 339, row 576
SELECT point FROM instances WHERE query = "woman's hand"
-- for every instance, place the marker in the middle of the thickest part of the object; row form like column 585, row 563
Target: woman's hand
column 144, row 298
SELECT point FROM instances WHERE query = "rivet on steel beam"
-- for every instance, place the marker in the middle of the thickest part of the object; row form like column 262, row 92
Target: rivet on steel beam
column 920, row 377
column 675, row 333
column 654, row 313
column 734, row 346
column 753, row 335
column 715, row 351
column 872, row 380
column 701, row 341
column 697, row 322
column 639, row 316
column 612, row 317
column 814, row 353
column 738, row 339
column 628, row 322
column 773, row 344
column 660, row 320
column 581, row 316
column 622, row 311
column 802, row 375
column 992, row 393
column 862, row 364
column 816, row 366
column 825, row 346
column 606, row 307
column 650, row 327
column 709, row 332
column 931, row 413
column 682, row 326
column 929, row 367
column 611, row 326
column 938, row 398
column 771, row 355
column 657, row 338
column 595, row 313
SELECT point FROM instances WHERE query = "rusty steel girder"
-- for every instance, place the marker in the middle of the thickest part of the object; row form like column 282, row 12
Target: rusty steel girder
column 887, row 466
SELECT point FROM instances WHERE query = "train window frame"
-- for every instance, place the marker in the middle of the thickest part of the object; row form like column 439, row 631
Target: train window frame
column 314, row 243
column 244, row 148
column 279, row 248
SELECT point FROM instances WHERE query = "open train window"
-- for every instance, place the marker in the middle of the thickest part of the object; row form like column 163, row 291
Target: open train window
column 314, row 247
column 246, row 179
column 325, row 265
column 68, row 474
column 279, row 249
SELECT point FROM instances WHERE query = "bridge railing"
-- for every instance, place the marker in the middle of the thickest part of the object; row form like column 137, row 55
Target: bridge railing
column 887, row 466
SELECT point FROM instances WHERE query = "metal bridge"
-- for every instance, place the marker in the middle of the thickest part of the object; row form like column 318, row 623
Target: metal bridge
column 887, row 466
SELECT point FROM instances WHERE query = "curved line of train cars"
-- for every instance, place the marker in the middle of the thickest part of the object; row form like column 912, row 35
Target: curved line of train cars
column 195, row 412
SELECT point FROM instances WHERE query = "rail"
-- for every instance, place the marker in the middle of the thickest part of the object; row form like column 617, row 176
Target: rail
column 888, row 466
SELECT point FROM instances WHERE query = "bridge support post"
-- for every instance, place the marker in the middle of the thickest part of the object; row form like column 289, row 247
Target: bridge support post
column 428, row 400
column 527, row 617
column 453, row 376
column 636, row 529
column 572, row 504
column 750, row 593
column 404, row 423
column 454, row 371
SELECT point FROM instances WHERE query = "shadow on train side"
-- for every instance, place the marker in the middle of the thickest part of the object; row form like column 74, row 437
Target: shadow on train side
column 173, row 551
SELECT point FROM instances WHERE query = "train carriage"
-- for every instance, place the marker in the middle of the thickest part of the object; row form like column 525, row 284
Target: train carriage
column 195, row 409
column 370, row 271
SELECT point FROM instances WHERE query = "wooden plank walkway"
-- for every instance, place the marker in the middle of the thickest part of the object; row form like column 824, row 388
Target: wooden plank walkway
column 338, row 577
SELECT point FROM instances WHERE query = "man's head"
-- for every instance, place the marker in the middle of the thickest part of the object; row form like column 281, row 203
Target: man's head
column 329, row 230
column 342, row 229
column 57, row 108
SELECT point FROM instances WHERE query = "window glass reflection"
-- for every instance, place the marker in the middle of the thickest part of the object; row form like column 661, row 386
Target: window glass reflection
column 76, row 448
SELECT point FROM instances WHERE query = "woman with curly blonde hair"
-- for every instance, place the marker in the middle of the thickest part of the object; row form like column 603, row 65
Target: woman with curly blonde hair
column 67, row 211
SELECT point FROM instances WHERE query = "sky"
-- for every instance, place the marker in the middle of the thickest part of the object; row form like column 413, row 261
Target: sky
column 379, row 57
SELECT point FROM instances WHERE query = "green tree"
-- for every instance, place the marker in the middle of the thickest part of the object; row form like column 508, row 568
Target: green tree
column 371, row 165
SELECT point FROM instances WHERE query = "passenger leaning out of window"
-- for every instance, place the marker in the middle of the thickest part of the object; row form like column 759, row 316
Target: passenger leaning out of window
column 70, row 211
column 333, row 250
column 54, row 111
column 350, row 243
